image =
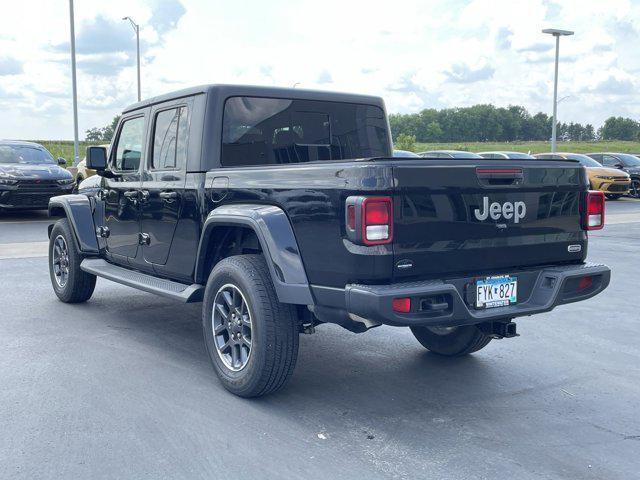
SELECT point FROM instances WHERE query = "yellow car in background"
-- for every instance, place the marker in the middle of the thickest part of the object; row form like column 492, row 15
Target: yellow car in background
column 80, row 172
column 613, row 182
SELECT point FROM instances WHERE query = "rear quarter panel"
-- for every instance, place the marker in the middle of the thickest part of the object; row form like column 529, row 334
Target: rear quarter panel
column 313, row 197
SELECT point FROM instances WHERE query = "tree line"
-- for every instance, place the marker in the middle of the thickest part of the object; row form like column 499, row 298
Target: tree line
column 488, row 123
column 479, row 123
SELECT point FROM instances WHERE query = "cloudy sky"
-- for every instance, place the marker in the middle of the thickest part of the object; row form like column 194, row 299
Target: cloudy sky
column 414, row 53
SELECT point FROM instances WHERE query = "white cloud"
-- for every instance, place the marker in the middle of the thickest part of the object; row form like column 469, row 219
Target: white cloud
column 415, row 53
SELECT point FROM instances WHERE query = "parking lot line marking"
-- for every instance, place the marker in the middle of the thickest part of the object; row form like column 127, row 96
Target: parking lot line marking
column 23, row 250
column 621, row 218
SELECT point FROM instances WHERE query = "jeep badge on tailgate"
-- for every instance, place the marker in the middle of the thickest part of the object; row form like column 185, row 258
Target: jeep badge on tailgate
column 506, row 210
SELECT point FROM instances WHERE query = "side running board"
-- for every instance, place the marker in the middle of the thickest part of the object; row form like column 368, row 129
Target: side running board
column 148, row 283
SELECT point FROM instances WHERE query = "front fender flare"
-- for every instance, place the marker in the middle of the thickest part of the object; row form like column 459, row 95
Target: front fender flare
column 278, row 243
column 77, row 208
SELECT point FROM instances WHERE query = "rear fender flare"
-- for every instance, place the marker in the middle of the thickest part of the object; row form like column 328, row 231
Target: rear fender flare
column 78, row 210
column 277, row 240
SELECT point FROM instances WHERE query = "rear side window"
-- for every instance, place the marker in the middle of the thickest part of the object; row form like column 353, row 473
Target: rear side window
column 129, row 147
column 170, row 139
column 263, row 131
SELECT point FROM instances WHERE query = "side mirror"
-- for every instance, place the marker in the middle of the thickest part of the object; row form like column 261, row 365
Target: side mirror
column 96, row 158
column 619, row 165
column 62, row 162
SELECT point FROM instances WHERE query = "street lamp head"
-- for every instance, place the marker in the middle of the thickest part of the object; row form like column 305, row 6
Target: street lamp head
column 557, row 32
column 133, row 24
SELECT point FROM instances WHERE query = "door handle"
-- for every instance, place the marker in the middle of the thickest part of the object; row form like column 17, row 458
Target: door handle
column 103, row 194
column 131, row 194
column 168, row 195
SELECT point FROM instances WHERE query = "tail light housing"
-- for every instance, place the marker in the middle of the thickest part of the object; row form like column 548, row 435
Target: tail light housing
column 593, row 211
column 369, row 220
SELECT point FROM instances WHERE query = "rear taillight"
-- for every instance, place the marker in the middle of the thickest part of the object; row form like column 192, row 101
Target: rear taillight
column 376, row 225
column 594, row 211
column 369, row 220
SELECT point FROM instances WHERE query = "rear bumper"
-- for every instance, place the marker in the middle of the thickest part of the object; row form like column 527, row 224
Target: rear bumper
column 539, row 291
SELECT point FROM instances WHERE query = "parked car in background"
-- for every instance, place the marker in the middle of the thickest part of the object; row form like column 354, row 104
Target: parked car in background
column 404, row 153
column 448, row 154
column 82, row 172
column 622, row 161
column 90, row 186
column 506, row 155
column 30, row 176
column 612, row 182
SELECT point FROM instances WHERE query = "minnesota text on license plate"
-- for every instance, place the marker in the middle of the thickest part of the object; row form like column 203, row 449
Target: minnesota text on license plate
column 496, row 291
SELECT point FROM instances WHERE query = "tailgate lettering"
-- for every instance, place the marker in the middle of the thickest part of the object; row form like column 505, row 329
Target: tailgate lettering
column 495, row 210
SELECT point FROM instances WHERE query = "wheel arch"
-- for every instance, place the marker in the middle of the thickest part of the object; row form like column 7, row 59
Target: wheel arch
column 77, row 209
column 272, row 230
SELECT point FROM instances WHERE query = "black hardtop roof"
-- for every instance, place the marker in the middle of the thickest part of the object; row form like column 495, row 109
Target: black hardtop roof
column 224, row 91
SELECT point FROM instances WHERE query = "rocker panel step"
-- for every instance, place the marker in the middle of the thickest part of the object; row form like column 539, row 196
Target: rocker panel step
column 142, row 281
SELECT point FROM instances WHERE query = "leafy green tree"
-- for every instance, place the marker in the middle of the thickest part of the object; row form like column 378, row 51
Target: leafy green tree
column 619, row 128
column 104, row 134
column 433, row 133
column 405, row 142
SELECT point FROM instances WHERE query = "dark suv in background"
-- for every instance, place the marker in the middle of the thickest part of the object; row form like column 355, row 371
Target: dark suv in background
column 625, row 162
column 30, row 176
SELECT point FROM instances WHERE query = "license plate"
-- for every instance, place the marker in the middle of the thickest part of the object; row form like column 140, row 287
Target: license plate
column 499, row 291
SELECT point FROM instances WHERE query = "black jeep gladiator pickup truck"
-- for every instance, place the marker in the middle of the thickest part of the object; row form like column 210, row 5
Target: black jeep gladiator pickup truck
column 282, row 209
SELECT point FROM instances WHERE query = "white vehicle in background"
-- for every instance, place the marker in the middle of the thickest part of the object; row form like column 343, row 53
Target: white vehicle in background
column 448, row 154
column 502, row 155
column 404, row 153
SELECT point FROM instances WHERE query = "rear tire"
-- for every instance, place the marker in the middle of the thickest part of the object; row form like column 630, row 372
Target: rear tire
column 612, row 196
column 251, row 338
column 70, row 283
column 451, row 341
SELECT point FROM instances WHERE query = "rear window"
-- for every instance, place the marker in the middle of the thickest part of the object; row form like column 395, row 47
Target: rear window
column 629, row 160
column 464, row 155
column 523, row 156
column 584, row 160
column 263, row 131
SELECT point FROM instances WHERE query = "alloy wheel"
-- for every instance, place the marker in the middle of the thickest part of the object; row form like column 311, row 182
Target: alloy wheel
column 231, row 322
column 60, row 261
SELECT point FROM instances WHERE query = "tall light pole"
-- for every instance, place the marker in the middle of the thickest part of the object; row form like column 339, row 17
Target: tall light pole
column 556, row 33
column 136, row 28
column 73, row 82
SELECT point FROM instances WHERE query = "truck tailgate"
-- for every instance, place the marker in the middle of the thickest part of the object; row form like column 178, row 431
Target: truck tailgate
column 486, row 216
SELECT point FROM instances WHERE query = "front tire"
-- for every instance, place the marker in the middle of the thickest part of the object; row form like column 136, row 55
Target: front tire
column 451, row 341
column 70, row 283
column 251, row 338
column 613, row 196
column 634, row 191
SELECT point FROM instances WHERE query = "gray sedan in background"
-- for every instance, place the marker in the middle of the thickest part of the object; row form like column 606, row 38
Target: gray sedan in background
column 448, row 154
column 502, row 155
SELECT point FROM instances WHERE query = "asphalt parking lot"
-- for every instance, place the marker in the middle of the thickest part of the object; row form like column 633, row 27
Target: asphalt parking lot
column 121, row 387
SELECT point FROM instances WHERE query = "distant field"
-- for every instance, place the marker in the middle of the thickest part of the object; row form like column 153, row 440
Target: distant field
column 534, row 147
column 63, row 148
